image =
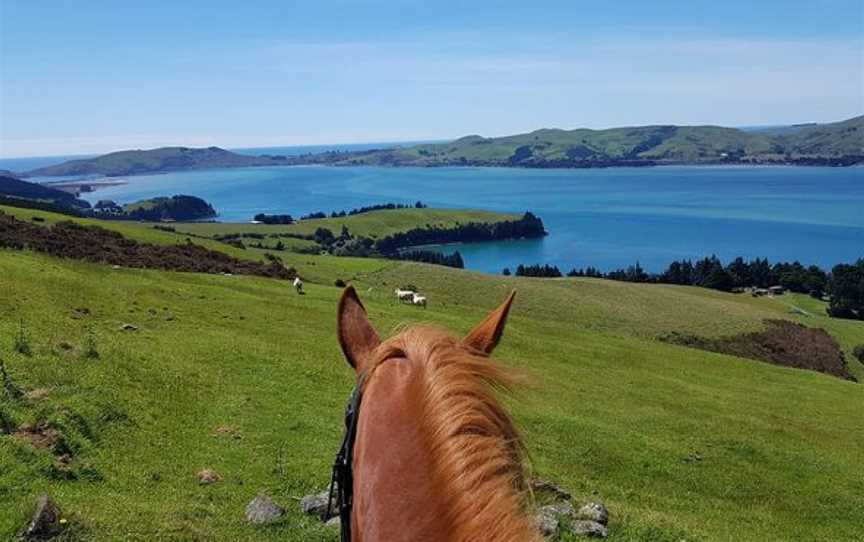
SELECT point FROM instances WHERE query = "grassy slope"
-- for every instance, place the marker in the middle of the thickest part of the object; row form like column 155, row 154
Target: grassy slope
column 609, row 412
column 132, row 162
column 674, row 143
column 372, row 224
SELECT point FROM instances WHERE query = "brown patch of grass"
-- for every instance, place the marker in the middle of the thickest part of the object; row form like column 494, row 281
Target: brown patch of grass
column 40, row 435
column 782, row 343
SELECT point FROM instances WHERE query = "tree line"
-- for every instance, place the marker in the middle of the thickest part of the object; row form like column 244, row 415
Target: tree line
column 529, row 226
column 844, row 284
column 366, row 209
column 391, row 246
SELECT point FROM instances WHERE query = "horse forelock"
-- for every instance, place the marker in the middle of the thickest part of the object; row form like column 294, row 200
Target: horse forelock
column 475, row 450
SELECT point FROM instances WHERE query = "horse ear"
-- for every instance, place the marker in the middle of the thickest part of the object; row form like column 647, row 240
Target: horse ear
column 356, row 334
column 486, row 334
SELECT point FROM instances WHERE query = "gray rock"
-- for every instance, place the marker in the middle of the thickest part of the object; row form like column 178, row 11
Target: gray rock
column 46, row 520
column 547, row 523
column 560, row 509
column 591, row 529
column 262, row 509
column 548, row 519
column 334, row 523
column 316, row 505
column 589, row 521
column 594, row 511
column 129, row 327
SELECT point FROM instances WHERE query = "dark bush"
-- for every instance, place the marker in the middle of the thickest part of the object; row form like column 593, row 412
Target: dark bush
column 95, row 244
column 858, row 352
column 340, row 283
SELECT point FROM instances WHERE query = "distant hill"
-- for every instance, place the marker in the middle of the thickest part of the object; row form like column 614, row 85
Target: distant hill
column 839, row 143
column 10, row 187
column 138, row 162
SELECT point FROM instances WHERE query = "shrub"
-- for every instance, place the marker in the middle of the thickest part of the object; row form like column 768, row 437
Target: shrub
column 858, row 352
column 340, row 283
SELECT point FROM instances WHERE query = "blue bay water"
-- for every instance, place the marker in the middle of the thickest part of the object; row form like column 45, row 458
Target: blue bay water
column 606, row 218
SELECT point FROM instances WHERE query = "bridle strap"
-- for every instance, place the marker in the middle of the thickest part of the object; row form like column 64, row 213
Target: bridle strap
column 342, row 480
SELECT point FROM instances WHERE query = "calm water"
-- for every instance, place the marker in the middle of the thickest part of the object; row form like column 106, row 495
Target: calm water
column 601, row 217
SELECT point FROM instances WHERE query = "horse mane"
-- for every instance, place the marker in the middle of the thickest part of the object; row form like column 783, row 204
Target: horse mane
column 475, row 450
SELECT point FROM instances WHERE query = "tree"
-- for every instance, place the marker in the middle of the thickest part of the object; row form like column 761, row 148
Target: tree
column 324, row 237
column 847, row 290
column 506, row 272
column 740, row 272
column 718, row 279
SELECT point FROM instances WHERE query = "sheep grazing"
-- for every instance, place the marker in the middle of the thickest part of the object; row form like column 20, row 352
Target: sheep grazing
column 405, row 295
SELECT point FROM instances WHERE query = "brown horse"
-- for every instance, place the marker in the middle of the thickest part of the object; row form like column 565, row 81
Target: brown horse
column 436, row 457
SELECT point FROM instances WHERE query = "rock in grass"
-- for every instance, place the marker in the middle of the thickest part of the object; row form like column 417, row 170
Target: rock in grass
column 46, row 520
column 316, row 505
column 547, row 522
column 129, row 327
column 594, row 511
column 262, row 510
column 334, row 523
column 591, row 529
column 553, row 519
column 208, row 476
column 559, row 509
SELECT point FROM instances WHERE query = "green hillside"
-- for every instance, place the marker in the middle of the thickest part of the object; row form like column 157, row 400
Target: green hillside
column 839, row 143
column 818, row 143
column 136, row 162
column 371, row 224
column 241, row 375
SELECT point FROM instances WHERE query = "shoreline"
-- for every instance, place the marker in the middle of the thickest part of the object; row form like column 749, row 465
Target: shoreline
column 731, row 165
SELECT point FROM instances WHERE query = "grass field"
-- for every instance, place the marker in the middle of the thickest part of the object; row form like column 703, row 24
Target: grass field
column 679, row 443
column 375, row 224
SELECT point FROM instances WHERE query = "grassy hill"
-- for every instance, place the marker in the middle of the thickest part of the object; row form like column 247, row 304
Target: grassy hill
column 136, row 162
column 627, row 146
column 372, row 224
column 839, row 143
column 241, row 375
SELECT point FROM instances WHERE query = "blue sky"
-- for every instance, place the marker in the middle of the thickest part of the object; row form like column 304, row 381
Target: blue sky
column 97, row 75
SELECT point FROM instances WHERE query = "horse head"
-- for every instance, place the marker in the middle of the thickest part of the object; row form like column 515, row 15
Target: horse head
column 435, row 456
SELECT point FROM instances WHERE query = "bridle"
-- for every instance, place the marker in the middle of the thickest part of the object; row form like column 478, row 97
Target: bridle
column 342, row 481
